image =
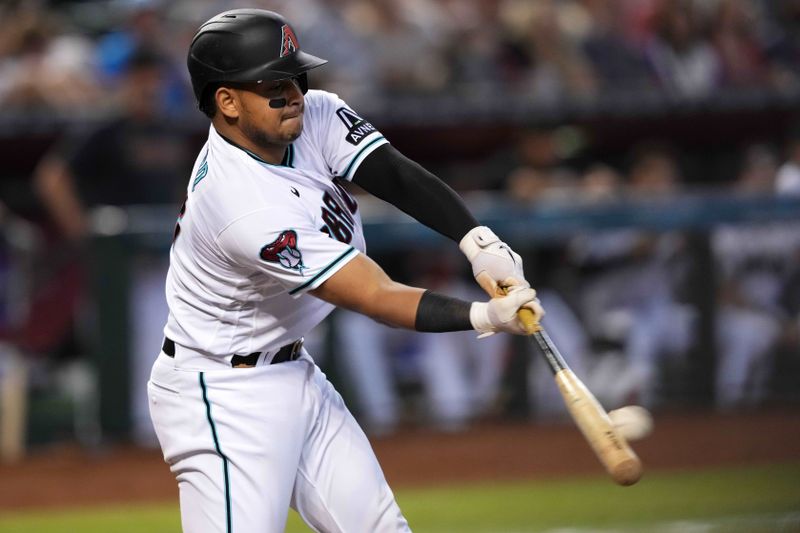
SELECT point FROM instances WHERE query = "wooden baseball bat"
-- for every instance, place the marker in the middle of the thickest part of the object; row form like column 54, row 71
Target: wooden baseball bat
column 610, row 447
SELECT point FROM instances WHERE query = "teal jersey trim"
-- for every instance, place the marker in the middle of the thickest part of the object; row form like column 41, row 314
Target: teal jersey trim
column 323, row 271
column 353, row 161
column 288, row 157
column 228, row 521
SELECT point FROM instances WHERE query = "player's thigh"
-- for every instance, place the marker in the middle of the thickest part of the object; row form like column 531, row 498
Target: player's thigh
column 182, row 427
column 233, row 442
column 340, row 486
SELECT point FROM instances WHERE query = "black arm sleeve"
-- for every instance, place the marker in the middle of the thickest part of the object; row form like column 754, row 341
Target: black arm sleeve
column 392, row 177
column 439, row 313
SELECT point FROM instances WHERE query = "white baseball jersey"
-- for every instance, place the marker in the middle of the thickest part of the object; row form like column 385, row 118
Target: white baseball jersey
column 254, row 237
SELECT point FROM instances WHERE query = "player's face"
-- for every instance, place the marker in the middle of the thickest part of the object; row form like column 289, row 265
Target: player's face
column 267, row 126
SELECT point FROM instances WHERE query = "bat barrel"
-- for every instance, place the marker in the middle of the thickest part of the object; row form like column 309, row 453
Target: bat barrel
column 611, row 449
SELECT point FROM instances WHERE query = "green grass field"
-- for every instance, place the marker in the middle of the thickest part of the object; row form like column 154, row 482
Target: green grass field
column 744, row 500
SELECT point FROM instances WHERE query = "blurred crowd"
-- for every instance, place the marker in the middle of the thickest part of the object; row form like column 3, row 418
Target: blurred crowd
column 627, row 305
column 67, row 56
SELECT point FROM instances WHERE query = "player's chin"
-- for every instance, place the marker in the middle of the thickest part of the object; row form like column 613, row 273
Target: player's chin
column 292, row 129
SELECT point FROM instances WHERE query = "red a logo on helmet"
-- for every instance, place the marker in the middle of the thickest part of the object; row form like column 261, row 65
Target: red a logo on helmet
column 288, row 41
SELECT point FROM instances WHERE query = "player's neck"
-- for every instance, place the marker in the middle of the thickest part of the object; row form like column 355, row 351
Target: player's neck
column 273, row 154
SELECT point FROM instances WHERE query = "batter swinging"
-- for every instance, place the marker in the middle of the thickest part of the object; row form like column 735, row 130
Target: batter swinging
column 266, row 244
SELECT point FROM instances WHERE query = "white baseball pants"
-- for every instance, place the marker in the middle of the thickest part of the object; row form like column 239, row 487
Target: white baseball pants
column 245, row 444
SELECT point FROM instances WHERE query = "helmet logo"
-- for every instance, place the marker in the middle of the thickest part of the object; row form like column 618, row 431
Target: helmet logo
column 288, row 41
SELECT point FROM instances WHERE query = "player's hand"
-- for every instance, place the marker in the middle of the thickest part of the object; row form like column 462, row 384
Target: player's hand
column 500, row 314
column 489, row 255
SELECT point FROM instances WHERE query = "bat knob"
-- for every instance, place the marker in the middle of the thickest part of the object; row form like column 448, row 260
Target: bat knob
column 627, row 472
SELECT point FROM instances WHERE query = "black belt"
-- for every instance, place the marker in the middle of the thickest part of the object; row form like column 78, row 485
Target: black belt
column 286, row 353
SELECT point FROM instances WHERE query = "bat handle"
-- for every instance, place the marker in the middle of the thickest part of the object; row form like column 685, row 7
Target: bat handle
column 528, row 320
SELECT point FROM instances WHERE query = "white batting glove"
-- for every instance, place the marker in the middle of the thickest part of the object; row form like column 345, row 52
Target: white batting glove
column 489, row 254
column 500, row 314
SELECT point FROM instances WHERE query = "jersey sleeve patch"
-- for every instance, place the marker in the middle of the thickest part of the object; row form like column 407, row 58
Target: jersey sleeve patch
column 284, row 251
column 357, row 128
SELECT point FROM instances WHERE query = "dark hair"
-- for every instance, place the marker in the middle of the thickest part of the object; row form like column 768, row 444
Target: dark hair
column 208, row 102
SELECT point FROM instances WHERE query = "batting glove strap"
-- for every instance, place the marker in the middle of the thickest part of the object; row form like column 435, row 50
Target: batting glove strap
column 479, row 317
column 487, row 253
column 477, row 239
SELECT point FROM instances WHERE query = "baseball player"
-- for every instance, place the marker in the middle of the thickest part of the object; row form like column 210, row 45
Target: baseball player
column 267, row 243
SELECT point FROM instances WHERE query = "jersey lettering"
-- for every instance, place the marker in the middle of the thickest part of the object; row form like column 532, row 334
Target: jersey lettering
column 345, row 195
column 339, row 222
column 178, row 222
column 202, row 172
column 357, row 134
column 335, row 228
column 337, row 209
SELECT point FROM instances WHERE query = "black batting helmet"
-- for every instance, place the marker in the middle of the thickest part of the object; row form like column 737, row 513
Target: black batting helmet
column 244, row 45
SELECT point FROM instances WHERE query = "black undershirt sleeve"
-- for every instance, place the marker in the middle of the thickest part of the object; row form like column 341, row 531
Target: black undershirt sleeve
column 389, row 175
column 438, row 313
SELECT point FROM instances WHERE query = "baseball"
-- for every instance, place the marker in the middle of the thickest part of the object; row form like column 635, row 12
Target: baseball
column 633, row 422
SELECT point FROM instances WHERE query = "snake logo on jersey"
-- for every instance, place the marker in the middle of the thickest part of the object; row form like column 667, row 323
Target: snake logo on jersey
column 284, row 251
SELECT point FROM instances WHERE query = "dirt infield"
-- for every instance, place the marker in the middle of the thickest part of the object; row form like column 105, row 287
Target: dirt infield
column 66, row 476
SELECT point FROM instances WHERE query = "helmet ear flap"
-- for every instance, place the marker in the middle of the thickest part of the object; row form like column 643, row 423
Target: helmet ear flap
column 302, row 82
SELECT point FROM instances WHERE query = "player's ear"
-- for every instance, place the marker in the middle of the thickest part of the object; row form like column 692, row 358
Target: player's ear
column 227, row 102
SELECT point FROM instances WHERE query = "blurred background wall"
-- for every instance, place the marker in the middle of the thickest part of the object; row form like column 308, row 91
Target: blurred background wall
column 642, row 155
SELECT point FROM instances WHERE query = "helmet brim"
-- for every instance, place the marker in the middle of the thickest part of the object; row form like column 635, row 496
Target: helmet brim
column 288, row 67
